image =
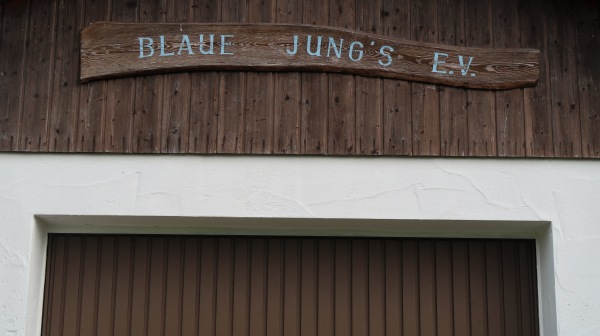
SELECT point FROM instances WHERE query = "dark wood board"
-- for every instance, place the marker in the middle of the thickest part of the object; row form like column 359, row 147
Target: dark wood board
column 12, row 71
column 114, row 50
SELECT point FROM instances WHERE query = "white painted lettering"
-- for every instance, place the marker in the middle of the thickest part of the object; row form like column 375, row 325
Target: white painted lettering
column 162, row 47
column 210, row 45
column 295, row 47
column 224, row 44
column 185, row 44
column 465, row 69
column 147, row 45
column 336, row 50
column 359, row 51
column 385, row 52
column 436, row 61
column 318, row 51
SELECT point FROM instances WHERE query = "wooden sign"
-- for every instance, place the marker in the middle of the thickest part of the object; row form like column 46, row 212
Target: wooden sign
column 118, row 49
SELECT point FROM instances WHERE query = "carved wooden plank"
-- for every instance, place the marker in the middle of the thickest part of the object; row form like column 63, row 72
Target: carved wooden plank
column 397, row 129
column 113, row 49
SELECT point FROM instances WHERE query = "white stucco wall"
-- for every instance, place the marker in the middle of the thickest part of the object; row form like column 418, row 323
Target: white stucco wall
column 555, row 201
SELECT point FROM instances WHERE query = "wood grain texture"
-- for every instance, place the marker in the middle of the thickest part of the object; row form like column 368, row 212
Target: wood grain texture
column 206, row 112
column 15, row 28
column 588, row 74
column 114, row 50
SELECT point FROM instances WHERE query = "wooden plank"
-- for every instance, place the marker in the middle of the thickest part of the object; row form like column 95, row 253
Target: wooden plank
column 343, row 287
column 427, row 288
column 157, row 280
column 495, row 307
column 120, row 93
column 140, row 286
column 258, row 135
column 92, row 96
column 124, row 285
column 173, row 305
column 89, row 282
column 308, row 288
column 224, row 287
column 369, row 115
column 444, row 288
column 588, row 72
column 210, row 286
column 410, row 287
column 258, row 287
column 106, row 267
column 230, row 134
column 425, row 100
column 291, row 290
column 538, row 119
column 241, row 286
column 204, row 105
column 510, row 118
column 397, row 128
column 481, row 115
column 48, row 283
column 562, row 49
column 315, row 90
column 55, row 324
column 275, row 286
column 176, row 98
column 326, row 283
column 526, row 286
column 341, row 133
column 377, row 290
column 15, row 29
column 460, row 284
column 359, row 284
column 454, row 132
column 64, row 97
column 39, row 63
column 148, row 106
column 510, row 278
column 118, row 49
column 288, row 92
column 477, row 284
column 393, row 287
column 192, row 271
column 73, row 287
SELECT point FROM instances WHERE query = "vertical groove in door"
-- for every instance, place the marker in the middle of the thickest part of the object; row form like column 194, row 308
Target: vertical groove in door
column 162, row 285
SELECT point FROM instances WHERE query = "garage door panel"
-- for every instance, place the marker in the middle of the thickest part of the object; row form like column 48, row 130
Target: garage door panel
column 166, row 285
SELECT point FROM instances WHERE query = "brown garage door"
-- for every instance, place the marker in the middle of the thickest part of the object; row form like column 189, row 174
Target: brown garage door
column 198, row 285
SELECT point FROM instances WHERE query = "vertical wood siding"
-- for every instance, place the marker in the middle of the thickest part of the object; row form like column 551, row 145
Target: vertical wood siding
column 189, row 285
column 44, row 107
